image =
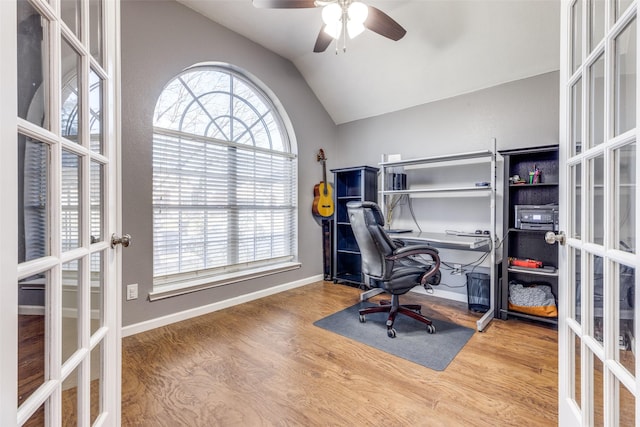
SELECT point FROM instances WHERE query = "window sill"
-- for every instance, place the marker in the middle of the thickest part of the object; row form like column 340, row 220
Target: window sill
column 197, row 284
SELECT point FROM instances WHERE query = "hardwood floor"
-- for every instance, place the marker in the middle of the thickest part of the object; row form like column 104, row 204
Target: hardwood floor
column 264, row 363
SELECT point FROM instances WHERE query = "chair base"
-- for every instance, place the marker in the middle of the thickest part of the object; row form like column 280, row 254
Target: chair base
column 394, row 308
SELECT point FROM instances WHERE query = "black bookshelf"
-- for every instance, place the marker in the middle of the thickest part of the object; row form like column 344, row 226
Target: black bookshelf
column 356, row 183
column 526, row 243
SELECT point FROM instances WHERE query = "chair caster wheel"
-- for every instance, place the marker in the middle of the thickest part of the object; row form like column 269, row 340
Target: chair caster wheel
column 391, row 333
column 431, row 329
column 362, row 319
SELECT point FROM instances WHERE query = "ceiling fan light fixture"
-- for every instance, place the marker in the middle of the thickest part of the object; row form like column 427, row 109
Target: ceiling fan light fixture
column 354, row 29
column 342, row 18
column 331, row 14
column 334, row 29
column 358, row 12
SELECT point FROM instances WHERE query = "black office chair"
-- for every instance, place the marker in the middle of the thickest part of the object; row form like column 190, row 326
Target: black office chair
column 389, row 266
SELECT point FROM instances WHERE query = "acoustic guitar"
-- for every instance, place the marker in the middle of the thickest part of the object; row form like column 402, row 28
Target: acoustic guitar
column 322, row 192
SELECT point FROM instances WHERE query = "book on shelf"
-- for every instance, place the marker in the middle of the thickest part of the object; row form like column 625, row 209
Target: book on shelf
column 546, row 269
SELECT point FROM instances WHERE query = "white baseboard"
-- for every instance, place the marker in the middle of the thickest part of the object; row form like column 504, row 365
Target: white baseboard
column 31, row 310
column 148, row 325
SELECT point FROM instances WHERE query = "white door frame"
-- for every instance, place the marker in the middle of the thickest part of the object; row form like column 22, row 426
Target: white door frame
column 9, row 197
column 111, row 330
column 582, row 336
column 113, row 300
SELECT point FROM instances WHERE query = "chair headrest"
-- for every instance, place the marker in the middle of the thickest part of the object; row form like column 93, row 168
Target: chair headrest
column 372, row 207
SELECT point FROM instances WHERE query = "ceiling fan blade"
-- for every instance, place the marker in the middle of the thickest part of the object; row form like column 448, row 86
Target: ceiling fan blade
column 284, row 4
column 381, row 23
column 323, row 41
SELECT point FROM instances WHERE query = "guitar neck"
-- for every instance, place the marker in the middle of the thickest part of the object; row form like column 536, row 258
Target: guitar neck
column 324, row 176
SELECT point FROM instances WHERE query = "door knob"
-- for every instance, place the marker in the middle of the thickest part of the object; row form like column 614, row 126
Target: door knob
column 552, row 237
column 125, row 240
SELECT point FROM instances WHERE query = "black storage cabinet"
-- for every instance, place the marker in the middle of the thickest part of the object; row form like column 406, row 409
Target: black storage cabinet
column 356, row 183
column 528, row 244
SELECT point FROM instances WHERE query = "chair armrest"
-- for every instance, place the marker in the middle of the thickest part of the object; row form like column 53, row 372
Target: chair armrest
column 410, row 250
column 398, row 242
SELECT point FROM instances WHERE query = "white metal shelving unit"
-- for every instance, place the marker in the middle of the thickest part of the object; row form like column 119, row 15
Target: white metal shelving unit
column 458, row 191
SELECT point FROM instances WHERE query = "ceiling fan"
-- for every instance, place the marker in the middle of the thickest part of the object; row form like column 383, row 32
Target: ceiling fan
column 341, row 18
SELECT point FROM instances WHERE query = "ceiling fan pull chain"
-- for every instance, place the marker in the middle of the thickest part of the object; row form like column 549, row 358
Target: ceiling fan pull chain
column 344, row 30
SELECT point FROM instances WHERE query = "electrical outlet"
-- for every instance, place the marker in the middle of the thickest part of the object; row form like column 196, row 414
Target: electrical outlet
column 457, row 270
column 132, row 291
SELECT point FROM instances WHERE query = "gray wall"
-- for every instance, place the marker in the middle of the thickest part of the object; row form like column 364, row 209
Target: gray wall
column 159, row 39
column 523, row 113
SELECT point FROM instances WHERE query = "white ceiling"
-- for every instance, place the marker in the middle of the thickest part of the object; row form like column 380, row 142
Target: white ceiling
column 451, row 47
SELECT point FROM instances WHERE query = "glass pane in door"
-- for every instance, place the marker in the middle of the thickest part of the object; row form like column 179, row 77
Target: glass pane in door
column 97, row 290
column 621, row 6
column 598, row 392
column 33, row 65
column 597, row 22
column 577, row 295
column 597, row 298
column 626, row 410
column 70, row 11
column 33, row 199
column 70, row 308
column 95, row 29
column 95, row 388
column 625, row 76
column 33, row 329
column 626, row 295
column 95, row 111
column 576, row 117
column 97, row 205
column 70, row 395
column 70, row 201
column 596, row 172
column 596, row 102
column 577, row 379
column 576, row 35
column 37, row 419
column 71, row 109
column 625, row 198
column 576, row 204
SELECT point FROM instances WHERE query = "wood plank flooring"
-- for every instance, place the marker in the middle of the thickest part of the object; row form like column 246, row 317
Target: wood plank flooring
column 264, row 363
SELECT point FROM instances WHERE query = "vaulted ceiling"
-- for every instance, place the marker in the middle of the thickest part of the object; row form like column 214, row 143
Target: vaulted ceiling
column 451, row 47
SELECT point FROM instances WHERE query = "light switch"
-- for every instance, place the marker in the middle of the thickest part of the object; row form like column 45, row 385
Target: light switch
column 132, row 291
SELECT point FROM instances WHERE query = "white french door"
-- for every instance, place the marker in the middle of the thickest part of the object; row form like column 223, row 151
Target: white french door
column 60, row 306
column 598, row 321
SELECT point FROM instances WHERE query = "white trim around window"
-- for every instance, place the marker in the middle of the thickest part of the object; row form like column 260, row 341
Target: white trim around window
column 197, row 281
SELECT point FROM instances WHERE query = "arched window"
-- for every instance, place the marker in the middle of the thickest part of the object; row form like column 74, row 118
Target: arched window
column 224, row 179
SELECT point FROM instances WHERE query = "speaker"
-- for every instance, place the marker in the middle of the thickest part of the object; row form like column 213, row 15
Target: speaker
column 399, row 181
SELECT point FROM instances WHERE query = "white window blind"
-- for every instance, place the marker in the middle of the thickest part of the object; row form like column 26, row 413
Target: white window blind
column 70, row 201
column 34, row 242
column 224, row 180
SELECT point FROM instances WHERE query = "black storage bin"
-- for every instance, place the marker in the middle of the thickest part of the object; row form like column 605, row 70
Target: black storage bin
column 478, row 292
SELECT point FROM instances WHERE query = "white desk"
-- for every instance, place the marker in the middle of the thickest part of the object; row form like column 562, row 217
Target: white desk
column 462, row 167
column 448, row 241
